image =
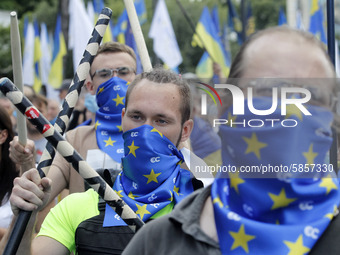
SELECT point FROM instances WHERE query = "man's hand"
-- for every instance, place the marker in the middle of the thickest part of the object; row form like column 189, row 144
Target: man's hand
column 30, row 192
column 22, row 155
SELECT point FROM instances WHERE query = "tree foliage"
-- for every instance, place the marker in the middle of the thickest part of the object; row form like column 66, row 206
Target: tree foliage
column 264, row 11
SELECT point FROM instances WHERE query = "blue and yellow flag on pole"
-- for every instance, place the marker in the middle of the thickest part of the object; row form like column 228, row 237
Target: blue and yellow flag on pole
column 316, row 22
column 207, row 37
column 59, row 51
column 120, row 28
column 37, row 56
column 98, row 6
column 141, row 11
column 250, row 27
column 234, row 21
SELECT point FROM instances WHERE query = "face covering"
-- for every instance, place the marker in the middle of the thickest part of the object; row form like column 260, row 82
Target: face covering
column 286, row 210
column 110, row 100
column 91, row 103
column 151, row 179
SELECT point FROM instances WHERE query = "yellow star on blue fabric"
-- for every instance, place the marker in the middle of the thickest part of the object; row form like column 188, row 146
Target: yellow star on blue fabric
column 119, row 193
column 133, row 148
column 218, row 201
column 235, row 180
column 254, row 145
column 96, row 125
column 176, row 189
column 142, row 210
column 119, row 128
column 130, row 195
column 152, row 177
column 292, row 109
column 109, row 142
column 100, row 90
column 280, row 200
column 241, row 239
column 327, row 182
column 310, row 155
column 296, row 248
column 155, row 130
column 118, row 100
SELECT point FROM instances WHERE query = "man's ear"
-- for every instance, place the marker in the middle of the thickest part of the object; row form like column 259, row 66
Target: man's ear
column 186, row 130
column 89, row 85
column 3, row 136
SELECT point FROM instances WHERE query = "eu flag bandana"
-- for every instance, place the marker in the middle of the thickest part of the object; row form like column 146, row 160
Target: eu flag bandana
column 151, row 178
column 111, row 100
column 284, row 214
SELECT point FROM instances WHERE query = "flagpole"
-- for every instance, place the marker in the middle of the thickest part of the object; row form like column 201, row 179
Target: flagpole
column 70, row 154
column 62, row 121
column 17, row 75
column 187, row 17
column 138, row 34
column 331, row 51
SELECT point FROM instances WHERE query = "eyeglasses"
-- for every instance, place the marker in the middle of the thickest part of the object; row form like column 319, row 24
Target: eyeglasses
column 121, row 72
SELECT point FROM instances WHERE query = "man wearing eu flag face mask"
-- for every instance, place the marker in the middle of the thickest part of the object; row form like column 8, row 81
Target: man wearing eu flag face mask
column 100, row 144
column 287, row 213
column 156, row 119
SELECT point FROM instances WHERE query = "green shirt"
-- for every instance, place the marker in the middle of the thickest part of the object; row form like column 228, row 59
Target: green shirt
column 62, row 221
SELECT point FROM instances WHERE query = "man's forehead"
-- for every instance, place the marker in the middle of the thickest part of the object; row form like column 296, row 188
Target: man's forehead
column 285, row 55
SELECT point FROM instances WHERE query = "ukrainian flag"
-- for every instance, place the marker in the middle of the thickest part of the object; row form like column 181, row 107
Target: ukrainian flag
column 141, row 11
column 207, row 32
column 120, row 28
column 37, row 56
column 316, row 22
column 250, row 29
column 98, row 6
column 234, row 22
column 59, row 51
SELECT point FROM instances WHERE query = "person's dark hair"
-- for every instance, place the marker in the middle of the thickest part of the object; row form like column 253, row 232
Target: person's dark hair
column 113, row 47
column 161, row 76
column 238, row 65
column 8, row 169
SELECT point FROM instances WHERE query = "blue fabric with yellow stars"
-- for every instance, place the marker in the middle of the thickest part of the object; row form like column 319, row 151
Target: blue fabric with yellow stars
column 280, row 213
column 151, row 178
column 111, row 100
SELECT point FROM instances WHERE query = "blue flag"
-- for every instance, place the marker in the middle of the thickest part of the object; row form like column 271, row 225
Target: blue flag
column 316, row 26
column 282, row 18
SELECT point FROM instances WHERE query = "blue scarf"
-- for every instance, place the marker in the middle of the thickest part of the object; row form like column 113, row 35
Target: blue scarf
column 110, row 99
column 288, row 212
column 151, row 178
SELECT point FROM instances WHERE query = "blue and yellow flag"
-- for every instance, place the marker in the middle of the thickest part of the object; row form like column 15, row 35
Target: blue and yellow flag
column 121, row 27
column 130, row 41
column 316, row 26
column 207, row 37
column 37, row 56
column 234, row 21
column 59, row 51
column 141, row 11
column 98, row 6
column 152, row 181
column 275, row 184
column 250, row 27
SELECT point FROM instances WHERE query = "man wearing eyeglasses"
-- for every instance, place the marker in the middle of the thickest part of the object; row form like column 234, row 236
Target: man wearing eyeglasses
column 100, row 144
column 155, row 120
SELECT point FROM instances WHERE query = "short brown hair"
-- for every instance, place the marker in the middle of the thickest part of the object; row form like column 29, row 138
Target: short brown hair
column 113, row 47
column 161, row 76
